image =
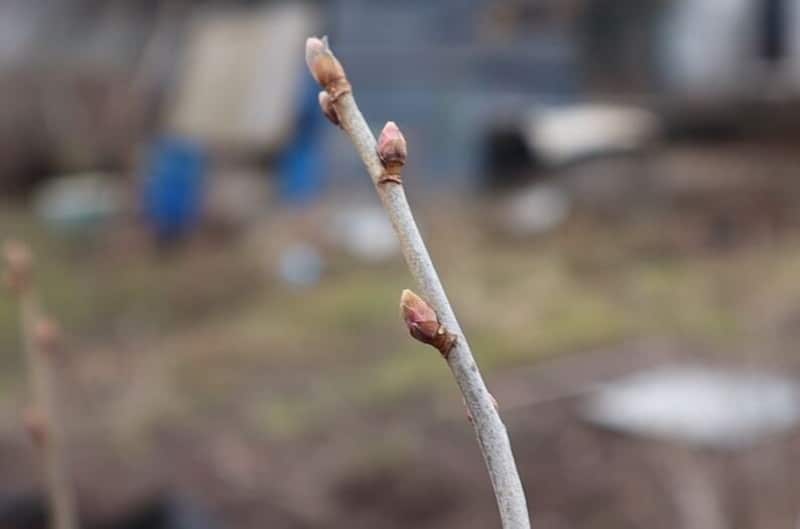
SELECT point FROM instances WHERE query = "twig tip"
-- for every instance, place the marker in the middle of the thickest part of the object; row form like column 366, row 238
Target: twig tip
column 325, row 68
column 392, row 150
column 314, row 47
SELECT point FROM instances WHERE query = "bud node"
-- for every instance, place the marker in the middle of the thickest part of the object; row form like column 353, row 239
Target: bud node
column 389, row 177
column 47, row 335
column 19, row 264
column 393, row 151
column 423, row 323
column 36, row 426
column 326, row 104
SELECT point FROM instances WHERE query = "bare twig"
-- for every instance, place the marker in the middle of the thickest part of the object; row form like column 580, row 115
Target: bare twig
column 40, row 341
column 384, row 161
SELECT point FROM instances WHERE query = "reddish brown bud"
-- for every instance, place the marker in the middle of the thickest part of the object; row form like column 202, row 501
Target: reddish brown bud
column 19, row 264
column 325, row 67
column 392, row 151
column 47, row 335
column 35, row 425
column 326, row 104
column 423, row 323
column 415, row 309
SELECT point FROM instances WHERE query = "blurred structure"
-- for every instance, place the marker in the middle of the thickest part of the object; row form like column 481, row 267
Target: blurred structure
column 700, row 406
column 174, row 187
column 446, row 71
column 238, row 84
column 460, row 74
column 215, row 74
column 81, row 83
column 732, row 49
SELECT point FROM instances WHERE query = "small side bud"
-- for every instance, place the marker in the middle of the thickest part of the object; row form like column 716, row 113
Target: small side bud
column 325, row 67
column 392, row 150
column 35, row 425
column 326, row 104
column 423, row 323
column 47, row 335
column 19, row 265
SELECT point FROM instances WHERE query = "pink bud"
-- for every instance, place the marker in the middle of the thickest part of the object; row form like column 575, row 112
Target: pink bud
column 415, row 309
column 423, row 323
column 392, row 147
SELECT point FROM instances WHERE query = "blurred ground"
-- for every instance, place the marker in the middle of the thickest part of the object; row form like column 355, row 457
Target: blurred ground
column 193, row 370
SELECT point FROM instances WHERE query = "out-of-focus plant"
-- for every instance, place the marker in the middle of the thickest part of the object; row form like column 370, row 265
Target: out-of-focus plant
column 433, row 321
column 41, row 342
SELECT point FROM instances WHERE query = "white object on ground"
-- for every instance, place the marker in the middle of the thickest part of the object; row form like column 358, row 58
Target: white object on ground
column 698, row 406
column 365, row 233
column 79, row 202
column 535, row 210
column 300, row 265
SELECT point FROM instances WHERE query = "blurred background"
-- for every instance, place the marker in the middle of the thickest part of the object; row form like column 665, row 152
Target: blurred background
column 609, row 189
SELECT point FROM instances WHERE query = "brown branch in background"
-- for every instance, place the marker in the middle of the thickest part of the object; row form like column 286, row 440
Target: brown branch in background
column 437, row 324
column 41, row 339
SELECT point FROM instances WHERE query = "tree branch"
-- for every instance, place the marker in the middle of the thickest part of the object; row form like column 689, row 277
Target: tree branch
column 40, row 341
column 382, row 163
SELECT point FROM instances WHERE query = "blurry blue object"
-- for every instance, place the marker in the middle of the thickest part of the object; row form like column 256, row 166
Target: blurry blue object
column 300, row 168
column 174, row 187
